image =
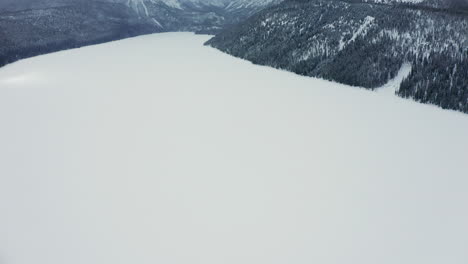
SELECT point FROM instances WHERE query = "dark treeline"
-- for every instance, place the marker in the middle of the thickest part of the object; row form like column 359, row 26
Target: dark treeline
column 34, row 32
column 35, row 50
column 447, row 85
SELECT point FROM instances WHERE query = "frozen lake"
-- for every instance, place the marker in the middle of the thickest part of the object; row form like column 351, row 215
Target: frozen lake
column 158, row 149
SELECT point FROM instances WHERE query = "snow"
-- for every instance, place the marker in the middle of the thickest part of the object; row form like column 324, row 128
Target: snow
column 362, row 30
column 171, row 3
column 157, row 23
column 158, row 149
column 239, row 4
column 392, row 86
column 137, row 4
column 141, row 5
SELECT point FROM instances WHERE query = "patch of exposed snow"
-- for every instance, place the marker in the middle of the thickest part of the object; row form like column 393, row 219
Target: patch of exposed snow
column 362, row 30
column 172, row 3
column 145, row 8
column 392, row 86
column 157, row 23
column 239, row 4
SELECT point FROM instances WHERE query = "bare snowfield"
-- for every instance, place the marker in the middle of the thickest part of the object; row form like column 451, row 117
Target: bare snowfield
column 157, row 149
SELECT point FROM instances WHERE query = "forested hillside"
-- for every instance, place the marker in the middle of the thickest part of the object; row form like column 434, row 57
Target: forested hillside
column 33, row 27
column 32, row 32
column 361, row 44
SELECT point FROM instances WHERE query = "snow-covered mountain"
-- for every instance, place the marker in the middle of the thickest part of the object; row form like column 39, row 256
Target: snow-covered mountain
column 198, row 12
column 142, row 5
column 227, row 4
column 362, row 44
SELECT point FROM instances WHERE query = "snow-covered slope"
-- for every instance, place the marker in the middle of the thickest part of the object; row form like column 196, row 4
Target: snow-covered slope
column 238, row 4
column 179, row 4
column 231, row 11
column 182, row 15
column 227, row 4
column 161, row 150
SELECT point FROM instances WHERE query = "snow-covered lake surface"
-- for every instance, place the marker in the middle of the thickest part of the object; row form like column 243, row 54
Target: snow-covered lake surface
column 160, row 150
